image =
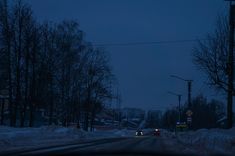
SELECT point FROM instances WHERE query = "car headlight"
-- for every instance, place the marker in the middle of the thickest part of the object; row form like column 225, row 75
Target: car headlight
column 141, row 133
column 136, row 133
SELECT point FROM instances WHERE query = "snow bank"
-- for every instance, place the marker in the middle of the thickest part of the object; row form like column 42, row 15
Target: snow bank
column 20, row 137
column 13, row 138
column 210, row 141
column 125, row 133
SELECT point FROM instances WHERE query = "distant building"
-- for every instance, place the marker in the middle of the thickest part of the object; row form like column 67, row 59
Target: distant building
column 133, row 113
column 154, row 113
column 154, row 118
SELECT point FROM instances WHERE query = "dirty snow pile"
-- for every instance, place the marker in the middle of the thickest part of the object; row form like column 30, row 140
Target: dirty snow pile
column 210, row 141
column 25, row 138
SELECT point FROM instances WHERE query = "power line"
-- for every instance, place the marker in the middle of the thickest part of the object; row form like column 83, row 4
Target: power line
column 147, row 43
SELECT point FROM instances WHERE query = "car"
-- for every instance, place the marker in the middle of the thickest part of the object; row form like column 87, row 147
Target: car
column 156, row 132
column 139, row 133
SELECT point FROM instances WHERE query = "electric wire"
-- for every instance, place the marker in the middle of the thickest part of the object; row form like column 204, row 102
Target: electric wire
column 148, row 43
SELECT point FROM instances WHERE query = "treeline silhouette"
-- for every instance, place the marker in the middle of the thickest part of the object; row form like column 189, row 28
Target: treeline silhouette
column 49, row 66
column 206, row 114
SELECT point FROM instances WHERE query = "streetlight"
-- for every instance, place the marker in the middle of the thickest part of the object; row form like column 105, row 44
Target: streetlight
column 179, row 98
column 189, row 82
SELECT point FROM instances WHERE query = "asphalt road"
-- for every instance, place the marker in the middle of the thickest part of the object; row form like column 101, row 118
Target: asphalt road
column 142, row 145
column 127, row 145
column 165, row 144
column 136, row 145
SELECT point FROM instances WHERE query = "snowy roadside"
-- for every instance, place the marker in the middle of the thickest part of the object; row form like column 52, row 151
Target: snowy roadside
column 31, row 138
column 210, row 141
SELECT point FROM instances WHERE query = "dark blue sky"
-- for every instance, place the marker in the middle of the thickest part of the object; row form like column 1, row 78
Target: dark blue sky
column 143, row 71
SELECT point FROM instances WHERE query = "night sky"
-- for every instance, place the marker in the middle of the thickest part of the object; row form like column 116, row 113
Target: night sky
column 143, row 71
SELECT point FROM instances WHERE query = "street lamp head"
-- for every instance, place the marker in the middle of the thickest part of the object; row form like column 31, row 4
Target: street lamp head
column 178, row 77
column 172, row 93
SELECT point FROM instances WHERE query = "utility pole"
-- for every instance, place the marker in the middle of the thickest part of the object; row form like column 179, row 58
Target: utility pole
column 189, row 93
column 230, row 65
column 179, row 100
column 189, row 83
column 118, row 100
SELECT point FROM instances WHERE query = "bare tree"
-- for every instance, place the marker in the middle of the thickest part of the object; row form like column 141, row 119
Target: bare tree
column 211, row 55
column 6, row 40
column 28, row 32
column 50, row 67
column 97, row 91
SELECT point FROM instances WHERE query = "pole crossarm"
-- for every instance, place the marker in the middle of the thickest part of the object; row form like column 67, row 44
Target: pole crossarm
column 180, row 78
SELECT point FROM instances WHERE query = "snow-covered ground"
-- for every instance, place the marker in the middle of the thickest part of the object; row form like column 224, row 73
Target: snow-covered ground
column 27, row 138
column 210, row 141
